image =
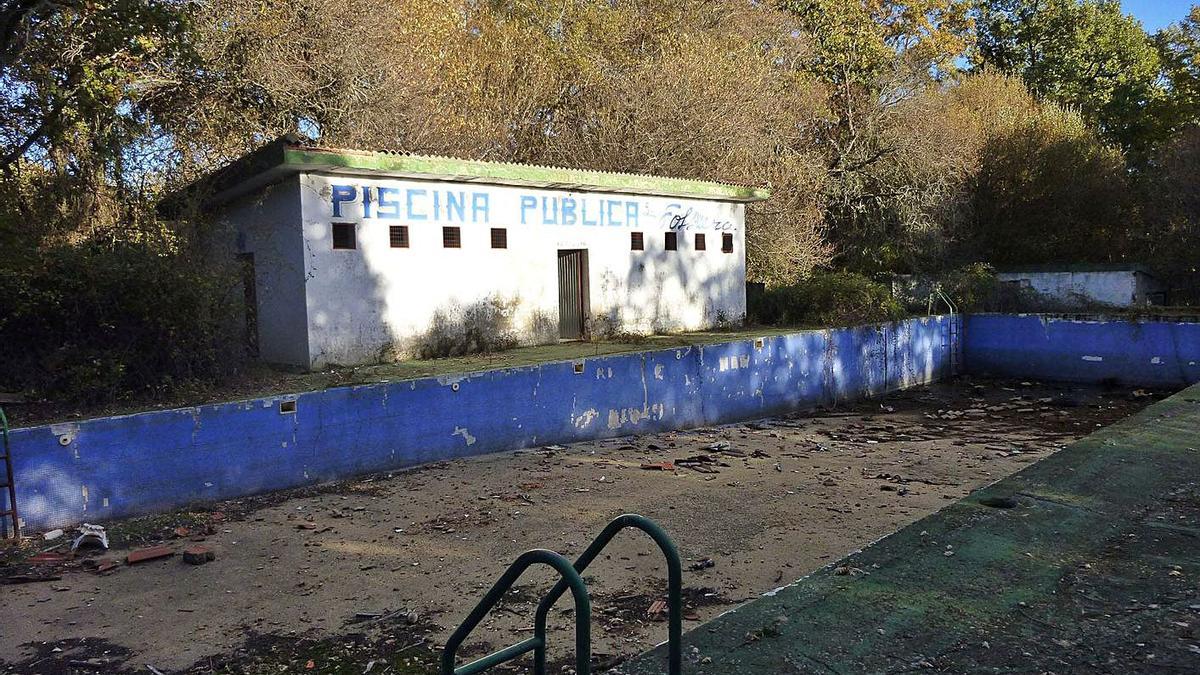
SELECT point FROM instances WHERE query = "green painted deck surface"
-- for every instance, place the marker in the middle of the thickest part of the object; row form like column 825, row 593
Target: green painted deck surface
column 1096, row 569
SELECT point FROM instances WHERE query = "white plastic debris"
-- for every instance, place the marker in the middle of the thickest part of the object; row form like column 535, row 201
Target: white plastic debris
column 90, row 534
column 52, row 535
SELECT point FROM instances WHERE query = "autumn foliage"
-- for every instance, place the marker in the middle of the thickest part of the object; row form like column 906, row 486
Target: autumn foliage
column 895, row 136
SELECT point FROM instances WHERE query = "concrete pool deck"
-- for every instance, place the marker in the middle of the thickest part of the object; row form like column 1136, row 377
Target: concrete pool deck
column 1086, row 560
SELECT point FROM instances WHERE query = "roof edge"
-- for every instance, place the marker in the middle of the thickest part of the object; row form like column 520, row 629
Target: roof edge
column 292, row 154
column 505, row 173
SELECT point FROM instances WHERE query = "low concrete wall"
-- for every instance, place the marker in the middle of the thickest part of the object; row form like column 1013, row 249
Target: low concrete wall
column 121, row 466
column 1146, row 353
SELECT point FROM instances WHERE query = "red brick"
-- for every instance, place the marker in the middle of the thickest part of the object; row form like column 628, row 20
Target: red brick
column 198, row 555
column 659, row 466
column 151, row 553
column 47, row 558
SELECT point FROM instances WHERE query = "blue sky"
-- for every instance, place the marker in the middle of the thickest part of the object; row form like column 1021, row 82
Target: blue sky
column 1156, row 14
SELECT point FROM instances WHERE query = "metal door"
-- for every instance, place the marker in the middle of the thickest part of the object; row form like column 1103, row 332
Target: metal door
column 572, row 293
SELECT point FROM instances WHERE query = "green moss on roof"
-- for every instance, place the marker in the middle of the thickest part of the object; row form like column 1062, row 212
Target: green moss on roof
column 291, row 155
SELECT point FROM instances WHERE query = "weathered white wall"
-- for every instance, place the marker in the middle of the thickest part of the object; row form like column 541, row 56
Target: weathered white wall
column 1116, row 288
column 377, row 301
column 267, row 224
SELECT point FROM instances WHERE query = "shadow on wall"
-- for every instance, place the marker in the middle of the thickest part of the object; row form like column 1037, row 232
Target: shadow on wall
column 119, row 466
column 481, row 327
column 640, row 299
column 351, row 323
column 648, row 310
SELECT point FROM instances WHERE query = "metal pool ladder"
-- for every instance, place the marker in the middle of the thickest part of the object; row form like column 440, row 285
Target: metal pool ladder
column 9, row 484
column 571, row 579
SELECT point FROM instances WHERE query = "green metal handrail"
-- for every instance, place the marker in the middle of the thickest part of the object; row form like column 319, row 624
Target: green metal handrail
column 11, row 511
column 674, row 589
column 583, row 617
column 572, row 579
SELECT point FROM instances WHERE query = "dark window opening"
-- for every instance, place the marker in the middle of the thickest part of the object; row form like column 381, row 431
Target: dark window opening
column 343, row 236
column 499, row 237
column 672, row 241
column 398, row 235
column 451, row 237
column 700, row 246
column 727, row 243
column 636, row 242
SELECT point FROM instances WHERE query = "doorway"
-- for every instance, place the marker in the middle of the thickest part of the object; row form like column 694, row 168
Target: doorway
column 572, row 293
column 250, row 298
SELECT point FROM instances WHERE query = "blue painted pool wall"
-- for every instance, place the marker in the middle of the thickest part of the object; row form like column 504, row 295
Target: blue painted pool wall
column 1143, row 353
column 121, row 466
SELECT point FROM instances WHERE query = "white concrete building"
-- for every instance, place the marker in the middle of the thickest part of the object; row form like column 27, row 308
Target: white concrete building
column 1112, row 285
column 353, row 257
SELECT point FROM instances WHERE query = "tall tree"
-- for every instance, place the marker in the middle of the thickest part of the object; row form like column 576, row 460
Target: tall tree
column 75, row 77
column 1081, row 53
column 1179, row 47
column 875, row 55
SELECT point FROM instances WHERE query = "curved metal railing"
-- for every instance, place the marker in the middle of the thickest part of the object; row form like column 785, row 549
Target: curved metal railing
column 674, row 588
column 572, row 580
column 583, row 617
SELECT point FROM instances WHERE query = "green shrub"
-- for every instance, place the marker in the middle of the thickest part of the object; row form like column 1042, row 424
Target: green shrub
column 827, row 299
column 971, row 286
column 95, row 323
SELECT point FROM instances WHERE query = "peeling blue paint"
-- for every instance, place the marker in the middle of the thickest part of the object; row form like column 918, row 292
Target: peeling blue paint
column 159, row 460
column 1141, row 353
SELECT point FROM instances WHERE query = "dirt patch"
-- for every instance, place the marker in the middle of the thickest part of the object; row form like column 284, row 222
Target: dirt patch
column 776, row 499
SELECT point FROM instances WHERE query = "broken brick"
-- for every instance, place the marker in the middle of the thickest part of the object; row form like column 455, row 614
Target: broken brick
column 182, row 532
column 198, row 555
column 46, row 558
column 151, row 553
column 107, row 565
column 657, row 609
column 659, row 466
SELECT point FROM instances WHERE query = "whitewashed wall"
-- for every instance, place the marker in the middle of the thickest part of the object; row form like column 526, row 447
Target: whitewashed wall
column 1116, row 288
column 376, row 301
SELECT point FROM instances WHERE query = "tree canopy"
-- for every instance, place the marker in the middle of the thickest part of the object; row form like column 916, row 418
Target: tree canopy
column 1082, row 53
column 895, row 135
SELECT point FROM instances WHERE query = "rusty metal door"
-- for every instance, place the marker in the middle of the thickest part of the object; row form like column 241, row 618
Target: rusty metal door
column 572, row 293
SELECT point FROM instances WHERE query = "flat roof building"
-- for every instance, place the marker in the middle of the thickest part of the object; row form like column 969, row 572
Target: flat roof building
column 354, row 257
column 1113, row 285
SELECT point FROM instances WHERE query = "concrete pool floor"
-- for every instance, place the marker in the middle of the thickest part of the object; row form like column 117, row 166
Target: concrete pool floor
column 367, row 570
column 1085, row 562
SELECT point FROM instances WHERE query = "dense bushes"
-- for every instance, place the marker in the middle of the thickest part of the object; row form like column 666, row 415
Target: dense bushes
column 95, row 323
column 828, row 299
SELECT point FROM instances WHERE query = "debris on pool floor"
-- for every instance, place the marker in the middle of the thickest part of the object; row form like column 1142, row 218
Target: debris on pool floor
column 372, row 574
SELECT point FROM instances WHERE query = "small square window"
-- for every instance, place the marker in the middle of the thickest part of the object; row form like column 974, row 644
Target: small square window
column 636, row 242
column 499, row 237
column 699, row 242
column 398, row 235
column 671, row 242
column 727, row 243
column 343, row 236
column 451, row 237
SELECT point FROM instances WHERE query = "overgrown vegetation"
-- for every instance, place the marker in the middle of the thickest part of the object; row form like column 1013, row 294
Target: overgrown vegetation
column 95, row 322
column 831, row 299
column 897, row 136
